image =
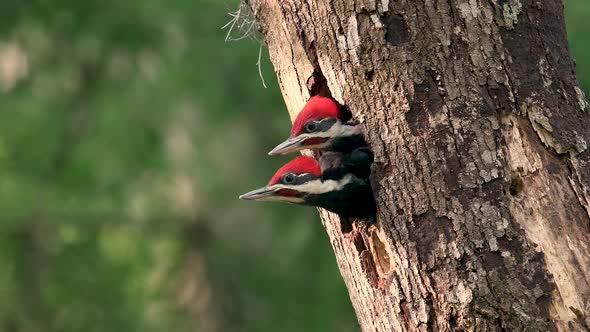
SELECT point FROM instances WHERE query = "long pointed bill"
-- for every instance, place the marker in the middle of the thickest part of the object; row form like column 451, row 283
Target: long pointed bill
column 260, row 194
column 291, row 144
column 273, row 193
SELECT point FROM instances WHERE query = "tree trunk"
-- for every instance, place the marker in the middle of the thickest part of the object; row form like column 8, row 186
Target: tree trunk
column 482, row 168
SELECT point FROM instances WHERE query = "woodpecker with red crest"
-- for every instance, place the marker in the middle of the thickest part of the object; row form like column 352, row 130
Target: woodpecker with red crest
column 338, row 183
column 322, row 124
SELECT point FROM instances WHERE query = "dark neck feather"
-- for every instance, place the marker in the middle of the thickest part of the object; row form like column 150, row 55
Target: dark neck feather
column 354, row 200
column 346, row 144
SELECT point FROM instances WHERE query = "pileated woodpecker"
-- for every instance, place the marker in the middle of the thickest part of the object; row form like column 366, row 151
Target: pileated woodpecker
column 338, row 183
column 322, row 124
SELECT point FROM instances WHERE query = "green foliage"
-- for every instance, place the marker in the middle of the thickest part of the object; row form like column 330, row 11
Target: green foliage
column 127, row 131
column 125, row 139
column 577, row 13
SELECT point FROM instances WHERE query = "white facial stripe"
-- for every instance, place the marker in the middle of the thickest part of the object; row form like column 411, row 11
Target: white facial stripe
column 317, row 186
column 338, row 129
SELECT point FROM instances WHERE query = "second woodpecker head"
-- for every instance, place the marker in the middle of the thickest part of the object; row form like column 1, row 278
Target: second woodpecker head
column 292, row 183
column 321, row 124
column 339, row 189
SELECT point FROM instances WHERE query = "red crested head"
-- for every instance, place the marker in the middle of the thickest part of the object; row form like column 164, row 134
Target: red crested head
column 298, row 165
column 318, row 108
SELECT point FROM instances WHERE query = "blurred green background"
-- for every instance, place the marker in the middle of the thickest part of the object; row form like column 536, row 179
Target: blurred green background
column 127, row 131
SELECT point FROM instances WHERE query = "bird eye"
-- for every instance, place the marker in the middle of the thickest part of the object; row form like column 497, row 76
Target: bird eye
column 289, row 178
column 311, row 126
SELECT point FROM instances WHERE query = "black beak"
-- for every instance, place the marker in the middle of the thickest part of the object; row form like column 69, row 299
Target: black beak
column 291, row 144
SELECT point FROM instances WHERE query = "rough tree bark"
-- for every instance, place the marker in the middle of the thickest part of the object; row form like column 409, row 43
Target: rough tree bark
column 482, row 171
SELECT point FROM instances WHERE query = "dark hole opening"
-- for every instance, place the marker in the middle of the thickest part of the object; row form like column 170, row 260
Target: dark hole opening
column 516, row 185
column 345, row 225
